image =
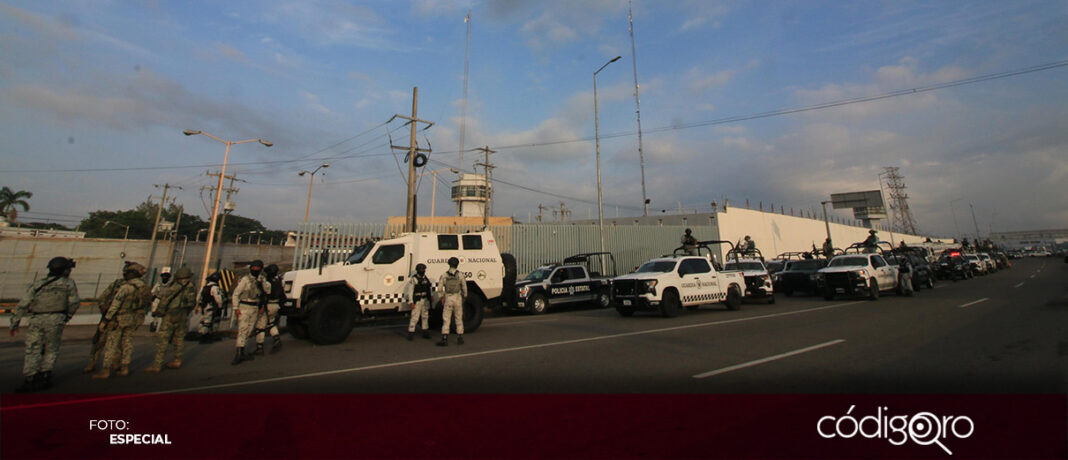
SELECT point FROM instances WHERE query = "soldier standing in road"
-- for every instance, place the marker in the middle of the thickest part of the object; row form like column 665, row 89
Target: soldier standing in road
column 455, row 288
column 211, row 304
column 268, row 320
column 125, row 313
column 50, row 303
column 176, row 301
column 418, row 292
column 250, row 292
column 99, row 339
column 689, row 243
column 164, row 281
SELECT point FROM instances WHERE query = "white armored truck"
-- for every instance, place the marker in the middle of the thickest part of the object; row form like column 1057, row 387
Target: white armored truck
column 324, row 303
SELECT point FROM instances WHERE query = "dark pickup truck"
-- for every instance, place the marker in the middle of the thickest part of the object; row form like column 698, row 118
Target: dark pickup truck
column 571, row 281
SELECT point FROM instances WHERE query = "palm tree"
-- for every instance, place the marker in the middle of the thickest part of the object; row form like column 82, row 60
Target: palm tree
column 10, row 199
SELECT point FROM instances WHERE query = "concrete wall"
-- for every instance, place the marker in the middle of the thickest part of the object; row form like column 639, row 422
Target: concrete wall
column 778, row 233
column 100, row 261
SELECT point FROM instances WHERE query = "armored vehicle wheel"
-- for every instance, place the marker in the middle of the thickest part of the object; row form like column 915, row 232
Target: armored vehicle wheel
column 297, row 328
column 873, row 290
column 473, row 312
column 330, row 320
column 669, row 304
column 734, row 298
column 538, row 304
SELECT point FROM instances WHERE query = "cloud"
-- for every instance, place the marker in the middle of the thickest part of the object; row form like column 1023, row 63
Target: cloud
column 332, row 23
column 546, row 30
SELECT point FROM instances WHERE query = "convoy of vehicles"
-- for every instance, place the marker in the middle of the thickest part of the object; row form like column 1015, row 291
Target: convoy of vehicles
column 667, row 284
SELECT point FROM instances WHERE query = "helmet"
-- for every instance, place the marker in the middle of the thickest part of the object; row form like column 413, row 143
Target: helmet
column 215, row 276
column 420, row 268
column 58, row 265
column 454, row 262
column 256, row 263
column 137, row 268
column 271, row 270
column 165, row 271
column 747, row 237
column 872, row 231
column 183, row 273
column 688, row 231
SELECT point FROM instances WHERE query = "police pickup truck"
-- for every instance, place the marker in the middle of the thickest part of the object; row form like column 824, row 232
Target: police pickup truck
column 750, row 262
column 569, row 282
column 323, row 303
column 668, row 283
column 864, row 273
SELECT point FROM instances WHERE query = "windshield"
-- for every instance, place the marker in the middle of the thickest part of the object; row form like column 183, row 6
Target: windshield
column 744, row 266
column 971, row 257
column 662, row 266
column 775, row 266
column 538, row 275
column 360, row 252
column 849, row 262
column 805, row 265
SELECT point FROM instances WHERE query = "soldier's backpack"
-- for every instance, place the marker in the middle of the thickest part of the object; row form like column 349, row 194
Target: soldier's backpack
column 143, row 297
column 453, row 283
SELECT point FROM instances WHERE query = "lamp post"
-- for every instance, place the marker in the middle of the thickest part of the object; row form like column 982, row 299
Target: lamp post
column 597, row 150
column 827, row 222
column 218, row 194
column 124, row 236
column 307, row 210
column 198, row 234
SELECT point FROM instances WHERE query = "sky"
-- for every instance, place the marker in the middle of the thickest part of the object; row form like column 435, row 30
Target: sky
column 95, row 95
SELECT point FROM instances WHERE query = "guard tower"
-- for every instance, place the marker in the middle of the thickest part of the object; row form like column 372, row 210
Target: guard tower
column 470, row 192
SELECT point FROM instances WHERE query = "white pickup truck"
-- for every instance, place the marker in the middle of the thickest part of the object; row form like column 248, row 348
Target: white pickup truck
column 669, row 283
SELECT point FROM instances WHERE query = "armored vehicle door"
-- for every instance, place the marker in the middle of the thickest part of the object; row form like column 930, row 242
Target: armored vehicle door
column 387, row 273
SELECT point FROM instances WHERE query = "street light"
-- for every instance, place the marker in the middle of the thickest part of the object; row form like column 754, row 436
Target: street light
column 597, row 150
column 198, row 234
column 218, row 194
column 238, row 237
column 127, row 234
column 307, row 210
column 434, row 189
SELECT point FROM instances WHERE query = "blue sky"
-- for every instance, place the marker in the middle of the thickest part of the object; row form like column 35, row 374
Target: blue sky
column 99, row 85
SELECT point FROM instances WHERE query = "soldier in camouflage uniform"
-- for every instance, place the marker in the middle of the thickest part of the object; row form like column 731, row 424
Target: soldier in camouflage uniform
column 125, row 313
column 49, row 303
column 268, row 319
column 212, row 302
column 176, row 300
column 249, row 295
column 99, row 339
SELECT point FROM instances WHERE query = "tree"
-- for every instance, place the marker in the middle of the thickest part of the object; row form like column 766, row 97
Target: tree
column 141, row 218
column 10, row 200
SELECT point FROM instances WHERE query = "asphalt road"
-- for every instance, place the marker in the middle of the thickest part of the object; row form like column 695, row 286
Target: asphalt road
column 1002, row 333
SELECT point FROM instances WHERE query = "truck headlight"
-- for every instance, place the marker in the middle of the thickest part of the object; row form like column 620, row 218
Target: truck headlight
column 287, row 286
column 524, row 290
column 650, row 286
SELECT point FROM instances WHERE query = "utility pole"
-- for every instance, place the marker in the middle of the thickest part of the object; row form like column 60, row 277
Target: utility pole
column 564, row 212
column 487, row 166
column 540, row 209
column 413, row 150
column 155, row 227
column 895, row 184
column 975, row 222
column 226, row 209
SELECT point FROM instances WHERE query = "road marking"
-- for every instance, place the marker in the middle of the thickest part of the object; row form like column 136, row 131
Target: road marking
column 768, row 359
column 1019, row 285
column 439, row 358
column 984, row 299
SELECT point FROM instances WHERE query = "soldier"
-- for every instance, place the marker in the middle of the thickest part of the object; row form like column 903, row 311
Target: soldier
column 100, row 338
column 689, row 243
column 211, row 304
column 268, row 320
column 454, row 285
column 124, row 314
column 164, row 281
column 828, row 248
column 248, row 295
column 871, row 243
column 50, row 303
column 176, row 301
column 418, row 293
column 750, row 245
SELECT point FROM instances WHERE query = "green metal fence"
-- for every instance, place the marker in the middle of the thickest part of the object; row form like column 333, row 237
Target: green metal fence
column 532, row 245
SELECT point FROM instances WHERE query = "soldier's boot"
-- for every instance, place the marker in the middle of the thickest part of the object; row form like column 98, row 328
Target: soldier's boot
column 153, row 369
column 444, row 340
column 176, row 364
column 123, row 371
column 27, row 385
column 103, row 374
column 460, row 339
column 239, row 357
column 411, row 335
column 259, row 349
column 43, row 380
column 426, row 334
column 276, row 345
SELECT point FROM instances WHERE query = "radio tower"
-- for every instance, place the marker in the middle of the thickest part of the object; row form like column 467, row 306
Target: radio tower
column 899, row 201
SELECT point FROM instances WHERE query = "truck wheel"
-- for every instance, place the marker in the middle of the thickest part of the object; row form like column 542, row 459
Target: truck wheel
column 508, row 294
column 473, row 313
column 625, row 310
column 873, row 290
column 603, row 300
column 734, row 298
column 669, row 304
column 297, row 328
column 771, row 298
column 330, row 322
column 788, row 292
column 828, row 293
column 538, row 304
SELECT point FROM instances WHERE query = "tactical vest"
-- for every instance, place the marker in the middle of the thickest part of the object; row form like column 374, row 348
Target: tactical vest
column 277, row 294
column 50, row 296
column 453, row 283
column 206, row 298
column 139, row 298
column 422, row 288
column 253, row 292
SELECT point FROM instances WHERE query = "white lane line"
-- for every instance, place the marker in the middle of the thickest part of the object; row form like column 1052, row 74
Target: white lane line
column 984, row 299
column 1019, row 285
column 444, row 358
column 768, row 359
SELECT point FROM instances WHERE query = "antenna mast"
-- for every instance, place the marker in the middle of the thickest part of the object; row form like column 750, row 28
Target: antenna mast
column 463, row 103
column 637, row 110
